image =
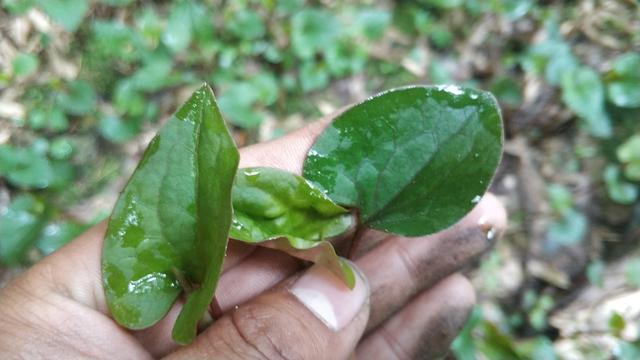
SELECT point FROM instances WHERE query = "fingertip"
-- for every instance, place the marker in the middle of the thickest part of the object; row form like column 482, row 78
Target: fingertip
column 492, row 211
column 457, row 288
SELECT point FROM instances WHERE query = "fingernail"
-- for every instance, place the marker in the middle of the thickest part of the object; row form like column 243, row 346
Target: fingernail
column 328, row 298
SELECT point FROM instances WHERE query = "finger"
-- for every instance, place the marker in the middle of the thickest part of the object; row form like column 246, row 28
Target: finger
column 424, row 328
column 84, row 253
column 75, row 272
column 264, row 268
column 399, row 268
column 314, row 317
column 393, row 284
column 286, row 153
column 255, row 274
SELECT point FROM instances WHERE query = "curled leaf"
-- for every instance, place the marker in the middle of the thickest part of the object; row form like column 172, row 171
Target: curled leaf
column 169, row 229
column 283, row 211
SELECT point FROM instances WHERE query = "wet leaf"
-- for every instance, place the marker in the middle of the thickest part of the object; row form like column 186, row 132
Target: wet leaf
column 20, row 225
column 412, row 160
column 168, row 231
column 283, row 211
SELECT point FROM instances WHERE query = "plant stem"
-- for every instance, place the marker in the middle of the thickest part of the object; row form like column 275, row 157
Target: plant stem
column 355, row 242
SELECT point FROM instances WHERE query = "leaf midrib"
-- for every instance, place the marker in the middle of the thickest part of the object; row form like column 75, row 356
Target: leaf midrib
column 378, row 213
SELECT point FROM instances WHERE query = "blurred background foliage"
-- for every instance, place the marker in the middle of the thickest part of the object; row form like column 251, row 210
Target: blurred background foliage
column 84, row 85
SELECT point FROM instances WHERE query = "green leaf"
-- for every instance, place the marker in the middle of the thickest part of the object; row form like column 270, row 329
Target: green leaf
column 313, row 76
column 153, row 75
column 25, row 167
column 116, row 2
column 507, row 90
column 115, row 40
column 312, row 30
column 266, row 88
column 202, row 26
column 617, row 323
column 569, row 229
column 560, row 198
column 412, row 160
column 178, row 32
column 57, row 234
column 61, row 149
column 24, row 64
column 20, row 224
column 149, row 26
column 619, row 191
column 237, row 102
column 168, row 231
column 372, row 22
column 79, row 98
column 628, row 153
column 624, row 89
column 68, row 13
column 514, row 9
column 343, row 58
column 116, row 130
column 246, row 24
column 17, row 7
column 52, row 119
column 583, row 93
column 283, row 211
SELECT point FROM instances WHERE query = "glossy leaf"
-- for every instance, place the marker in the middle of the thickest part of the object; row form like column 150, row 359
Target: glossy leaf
column 283, row 211
column 624, row 89
column 168, row 231
column 20, row 225
column 412, row 160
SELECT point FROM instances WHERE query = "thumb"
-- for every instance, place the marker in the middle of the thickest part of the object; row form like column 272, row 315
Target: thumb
column 314, row 316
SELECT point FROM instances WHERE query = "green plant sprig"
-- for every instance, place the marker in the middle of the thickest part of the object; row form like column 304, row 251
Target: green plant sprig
column 409, row 161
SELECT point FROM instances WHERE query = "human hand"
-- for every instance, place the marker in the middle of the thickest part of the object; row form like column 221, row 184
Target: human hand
column 409, row 301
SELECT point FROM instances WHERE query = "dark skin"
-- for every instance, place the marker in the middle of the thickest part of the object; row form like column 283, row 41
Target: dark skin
column 415, row 303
